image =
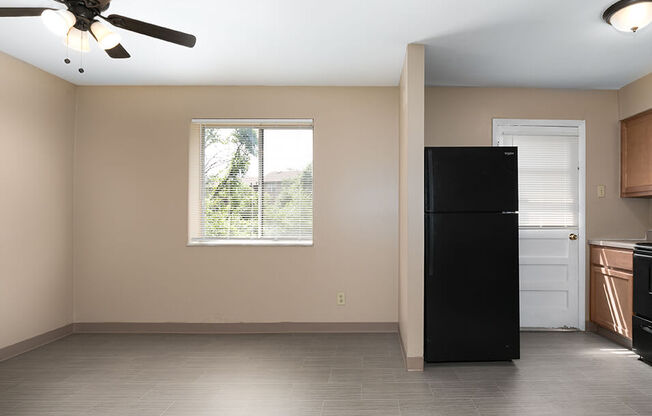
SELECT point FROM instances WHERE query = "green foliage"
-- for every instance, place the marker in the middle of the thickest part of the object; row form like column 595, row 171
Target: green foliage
column 288, row 212
column 231, row 204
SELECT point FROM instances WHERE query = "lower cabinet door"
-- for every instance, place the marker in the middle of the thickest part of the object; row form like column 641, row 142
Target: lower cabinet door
column 611, row 299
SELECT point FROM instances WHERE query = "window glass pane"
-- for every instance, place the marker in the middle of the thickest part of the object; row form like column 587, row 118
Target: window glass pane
column 230, row 182
column 256, row 183
column 548, row 180
column 287, row 189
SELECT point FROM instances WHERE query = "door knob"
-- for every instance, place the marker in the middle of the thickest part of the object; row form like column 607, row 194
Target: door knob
column 572, row 237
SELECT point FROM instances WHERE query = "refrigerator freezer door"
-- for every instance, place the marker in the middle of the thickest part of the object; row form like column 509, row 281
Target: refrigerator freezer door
column 471, row 287
column 471, row 179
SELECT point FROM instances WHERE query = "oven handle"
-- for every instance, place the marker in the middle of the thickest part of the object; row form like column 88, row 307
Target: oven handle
column 642, row 255
column 646, row 329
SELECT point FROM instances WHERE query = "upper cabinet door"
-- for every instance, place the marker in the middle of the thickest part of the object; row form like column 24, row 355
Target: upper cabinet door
column 636, row 156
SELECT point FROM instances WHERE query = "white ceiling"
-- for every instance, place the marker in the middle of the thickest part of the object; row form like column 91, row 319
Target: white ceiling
column 537, row 43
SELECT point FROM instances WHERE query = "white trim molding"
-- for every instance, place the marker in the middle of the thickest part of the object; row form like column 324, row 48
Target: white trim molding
column 258, row 122
column 561, row 127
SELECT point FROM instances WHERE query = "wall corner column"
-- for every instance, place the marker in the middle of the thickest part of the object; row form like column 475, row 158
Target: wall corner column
column 411, row 227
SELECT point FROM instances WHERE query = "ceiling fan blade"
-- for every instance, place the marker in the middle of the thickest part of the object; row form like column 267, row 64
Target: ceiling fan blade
column 118, row 52
column 148, row 29
column 22, row 11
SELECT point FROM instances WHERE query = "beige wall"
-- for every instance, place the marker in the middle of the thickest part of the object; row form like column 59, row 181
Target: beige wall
column 37, row 113
column 463, row 117
column 130, row 224
column 635, row 97
column 131, row 170
column 411, row 134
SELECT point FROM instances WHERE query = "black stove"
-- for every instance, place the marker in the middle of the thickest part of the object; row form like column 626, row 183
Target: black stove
column 642, row 321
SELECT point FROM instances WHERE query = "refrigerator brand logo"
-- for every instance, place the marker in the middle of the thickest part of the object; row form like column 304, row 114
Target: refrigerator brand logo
column 509, row 153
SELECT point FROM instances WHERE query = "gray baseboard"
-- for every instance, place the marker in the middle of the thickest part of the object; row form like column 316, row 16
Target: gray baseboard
column 617, row 338
column 414, row 363
column 194, row 328
column 234, row 328
column 609, row 334
column 411, row 363
column 35, row 342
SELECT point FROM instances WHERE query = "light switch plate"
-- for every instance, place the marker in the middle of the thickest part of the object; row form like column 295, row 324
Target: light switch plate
column 601, row 191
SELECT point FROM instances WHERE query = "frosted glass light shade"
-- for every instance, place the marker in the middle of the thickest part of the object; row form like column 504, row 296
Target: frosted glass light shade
column 105, row 37
column 58, row 22
column 77, row 40
column 633, row 17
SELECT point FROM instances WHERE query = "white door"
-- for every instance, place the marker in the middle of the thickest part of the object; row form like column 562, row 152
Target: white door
column 550, row 168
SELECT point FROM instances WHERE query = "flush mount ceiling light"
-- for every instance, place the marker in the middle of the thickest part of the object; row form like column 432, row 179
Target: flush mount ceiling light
column 629, row 15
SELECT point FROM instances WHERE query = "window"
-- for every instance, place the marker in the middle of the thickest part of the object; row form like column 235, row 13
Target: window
column 548, row 170
column 253, row 182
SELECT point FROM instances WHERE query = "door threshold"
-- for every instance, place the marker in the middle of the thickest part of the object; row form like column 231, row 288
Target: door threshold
column 535, row 329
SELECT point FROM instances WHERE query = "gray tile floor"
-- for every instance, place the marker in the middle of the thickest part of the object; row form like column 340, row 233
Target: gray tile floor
column 317, row 374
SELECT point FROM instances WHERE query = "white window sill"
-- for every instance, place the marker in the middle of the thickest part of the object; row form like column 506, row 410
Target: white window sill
column 254, row 243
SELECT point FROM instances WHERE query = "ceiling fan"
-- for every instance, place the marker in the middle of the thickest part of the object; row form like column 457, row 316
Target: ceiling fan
column 83, row 16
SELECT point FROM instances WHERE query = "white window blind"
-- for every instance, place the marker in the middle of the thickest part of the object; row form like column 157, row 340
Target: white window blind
column 256, row 180
column 548, row 169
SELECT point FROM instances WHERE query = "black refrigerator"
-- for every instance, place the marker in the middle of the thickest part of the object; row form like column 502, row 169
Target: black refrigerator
column 471, row 254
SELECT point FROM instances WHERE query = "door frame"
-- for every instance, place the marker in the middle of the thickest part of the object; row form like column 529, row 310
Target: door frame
column 581, row 126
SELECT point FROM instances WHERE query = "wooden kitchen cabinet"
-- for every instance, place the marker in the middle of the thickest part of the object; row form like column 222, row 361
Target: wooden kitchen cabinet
column 636, row 156
column 612, row 284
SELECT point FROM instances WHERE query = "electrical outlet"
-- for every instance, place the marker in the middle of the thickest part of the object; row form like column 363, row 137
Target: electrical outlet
column 601, row 191
column 341, row 299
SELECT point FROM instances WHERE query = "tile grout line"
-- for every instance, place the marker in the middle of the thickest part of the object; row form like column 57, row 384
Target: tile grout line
column 168, row 408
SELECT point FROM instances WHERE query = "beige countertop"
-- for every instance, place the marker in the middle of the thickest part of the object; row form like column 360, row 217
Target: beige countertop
column 616, row 243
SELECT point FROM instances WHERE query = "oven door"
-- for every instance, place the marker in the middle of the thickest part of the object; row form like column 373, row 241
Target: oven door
column 642, row 340
column 643, row 285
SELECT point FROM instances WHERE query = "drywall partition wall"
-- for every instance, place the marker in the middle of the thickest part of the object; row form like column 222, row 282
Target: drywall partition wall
column 635, row 97
column 463, row 117
column 411, row 142
column 131, row 178
column 37, row 113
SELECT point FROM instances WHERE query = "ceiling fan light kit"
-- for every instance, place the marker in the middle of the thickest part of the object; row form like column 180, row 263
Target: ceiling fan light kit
column 106, row 38
column 58, row 22
column 77, row 40
column 80, row 17
column 629, row 15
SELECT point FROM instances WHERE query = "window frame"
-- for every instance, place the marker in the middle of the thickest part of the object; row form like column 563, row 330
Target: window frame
column 505, row 137
column 195, row 177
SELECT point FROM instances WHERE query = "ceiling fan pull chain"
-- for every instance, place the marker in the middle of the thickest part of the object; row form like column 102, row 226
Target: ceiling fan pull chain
column 67, row 60
column 81, row 53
